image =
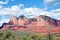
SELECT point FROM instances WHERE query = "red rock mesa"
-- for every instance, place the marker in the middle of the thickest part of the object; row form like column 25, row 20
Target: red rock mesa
column 41, row 24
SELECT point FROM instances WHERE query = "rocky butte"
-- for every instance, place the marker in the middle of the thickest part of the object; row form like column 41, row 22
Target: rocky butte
column 39, row 24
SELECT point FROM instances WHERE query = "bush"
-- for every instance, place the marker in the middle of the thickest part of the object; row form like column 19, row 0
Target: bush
column 7, row 35
column 17, row 35
column 49, row 37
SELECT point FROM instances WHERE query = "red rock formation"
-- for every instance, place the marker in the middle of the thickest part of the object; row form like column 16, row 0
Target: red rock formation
column 21, row 20
column 40, row 24
column 13, row 20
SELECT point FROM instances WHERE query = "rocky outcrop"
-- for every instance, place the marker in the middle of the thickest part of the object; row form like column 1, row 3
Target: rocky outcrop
column 50, row 20
column 13, row 20
column 40, row 24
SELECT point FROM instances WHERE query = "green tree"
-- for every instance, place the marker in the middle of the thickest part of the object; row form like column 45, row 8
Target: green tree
column 7, row 35
column 57, row 37
column 1, row 36
column 49, row 37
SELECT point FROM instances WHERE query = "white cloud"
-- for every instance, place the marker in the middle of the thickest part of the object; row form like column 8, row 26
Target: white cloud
column 21, row 5
column 14, row 8
column 50, row 3
column 55, row 13
column 6, row 2
column 4, row 21
column 48, row 0
column 28, row 12
column 1, row 7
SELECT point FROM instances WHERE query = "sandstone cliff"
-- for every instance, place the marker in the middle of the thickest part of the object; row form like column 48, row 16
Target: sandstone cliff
column 40, row 24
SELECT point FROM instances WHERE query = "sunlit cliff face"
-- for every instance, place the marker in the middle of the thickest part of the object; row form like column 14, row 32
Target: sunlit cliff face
column 21, row 20
column 17, row 21
column 13, row 20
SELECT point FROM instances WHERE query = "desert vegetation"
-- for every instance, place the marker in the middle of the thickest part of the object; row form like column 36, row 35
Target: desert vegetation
column 17, row 35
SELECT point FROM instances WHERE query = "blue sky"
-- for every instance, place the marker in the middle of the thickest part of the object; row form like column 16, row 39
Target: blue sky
column 27, row 3
column 28, row 8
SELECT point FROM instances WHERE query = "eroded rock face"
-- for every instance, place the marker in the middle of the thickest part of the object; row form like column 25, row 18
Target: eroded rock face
column 51, row 21
column 41, row 23
column 13, row 20
column 21, row 20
